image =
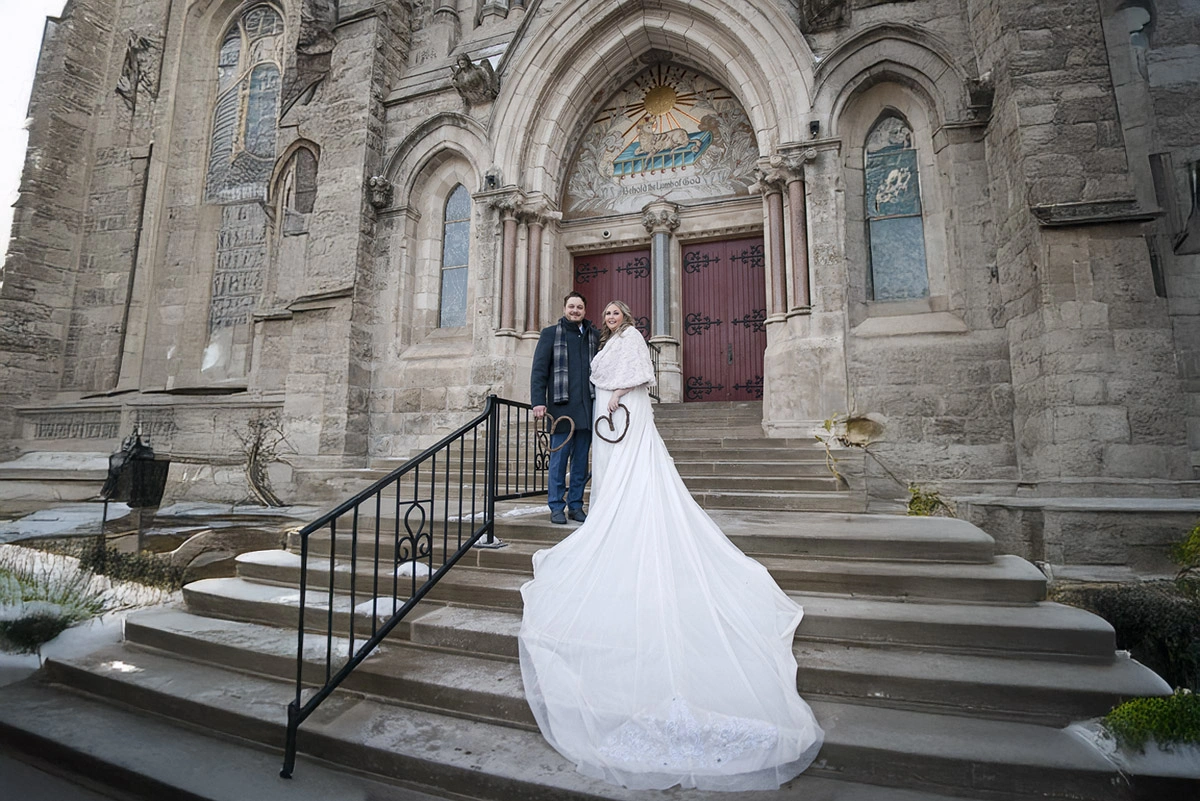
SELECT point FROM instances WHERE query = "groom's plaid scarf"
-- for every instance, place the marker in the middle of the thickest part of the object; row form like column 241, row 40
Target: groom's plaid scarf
column 561, row 376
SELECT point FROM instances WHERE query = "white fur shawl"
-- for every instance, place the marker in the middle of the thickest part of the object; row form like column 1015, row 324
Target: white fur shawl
column 623, row 363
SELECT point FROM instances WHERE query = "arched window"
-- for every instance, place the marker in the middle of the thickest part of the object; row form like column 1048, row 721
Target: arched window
column 895, row 230
column 298, row 191
column 242, row 147
column 456, row 242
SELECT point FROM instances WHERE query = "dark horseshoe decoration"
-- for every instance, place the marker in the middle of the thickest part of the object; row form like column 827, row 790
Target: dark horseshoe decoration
column 542, row 439
column 608, row 418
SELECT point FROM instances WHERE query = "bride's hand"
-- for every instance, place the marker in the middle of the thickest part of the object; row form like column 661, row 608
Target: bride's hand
column 613, row 403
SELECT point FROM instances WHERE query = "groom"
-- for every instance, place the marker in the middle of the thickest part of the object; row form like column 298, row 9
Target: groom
column 560, row 384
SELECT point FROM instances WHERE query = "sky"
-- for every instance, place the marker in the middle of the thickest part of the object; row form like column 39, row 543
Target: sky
column 22, row 23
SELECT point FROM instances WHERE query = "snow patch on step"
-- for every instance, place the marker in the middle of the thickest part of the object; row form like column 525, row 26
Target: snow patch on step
column 1177, row 760
column 270, row 558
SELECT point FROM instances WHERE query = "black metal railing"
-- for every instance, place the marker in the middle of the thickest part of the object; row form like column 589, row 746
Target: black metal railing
column 655, row 355
column 400, row 536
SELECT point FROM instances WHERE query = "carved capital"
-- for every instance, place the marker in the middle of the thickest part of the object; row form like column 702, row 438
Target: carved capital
column 661, row 218
column 381, row 190
column 510, row 204
column 772, row 174
column 538, row 211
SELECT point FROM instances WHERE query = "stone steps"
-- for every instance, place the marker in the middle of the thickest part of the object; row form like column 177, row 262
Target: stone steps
column 977, row 757
column 138, row 754
column 1044, row 630
column 1008, row 579
column 760, row 484
column 488, row 687
column 842, row 536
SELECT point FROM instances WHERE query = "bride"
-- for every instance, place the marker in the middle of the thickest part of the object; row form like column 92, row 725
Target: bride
column 654, row 652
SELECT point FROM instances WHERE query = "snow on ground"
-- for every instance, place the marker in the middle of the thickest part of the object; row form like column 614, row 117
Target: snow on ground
column 70, row 519
column 120, row 598
column 1172, row 760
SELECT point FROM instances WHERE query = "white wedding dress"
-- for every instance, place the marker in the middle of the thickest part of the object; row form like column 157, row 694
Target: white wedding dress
column 653, row 651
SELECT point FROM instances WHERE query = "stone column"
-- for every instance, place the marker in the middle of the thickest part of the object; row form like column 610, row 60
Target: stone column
column 534, row 212
column 805, row 361
column 769, row 181
column 797, row 220
column 533, row 285
column 508, row 206
column 661, row 219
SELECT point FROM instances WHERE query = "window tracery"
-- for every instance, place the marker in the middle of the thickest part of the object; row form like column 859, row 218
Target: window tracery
column 456, row 241
column 242, row 144
column 895, row 228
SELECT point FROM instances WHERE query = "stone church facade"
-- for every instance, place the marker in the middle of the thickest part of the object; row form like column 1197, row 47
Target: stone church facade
column 974, row 221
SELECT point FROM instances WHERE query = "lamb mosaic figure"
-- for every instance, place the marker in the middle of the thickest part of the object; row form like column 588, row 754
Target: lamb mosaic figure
column 651, row 142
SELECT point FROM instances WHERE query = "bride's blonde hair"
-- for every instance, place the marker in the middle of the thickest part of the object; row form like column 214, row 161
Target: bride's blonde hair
column 626, row 322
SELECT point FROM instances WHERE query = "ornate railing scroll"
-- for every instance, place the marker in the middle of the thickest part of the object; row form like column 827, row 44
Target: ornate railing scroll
column 367, row 563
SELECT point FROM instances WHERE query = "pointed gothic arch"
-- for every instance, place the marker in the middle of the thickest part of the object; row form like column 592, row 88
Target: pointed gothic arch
column 549, row 88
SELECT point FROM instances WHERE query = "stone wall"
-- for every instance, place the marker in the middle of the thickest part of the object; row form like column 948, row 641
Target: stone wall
column 1096, row 392
column 40, row 271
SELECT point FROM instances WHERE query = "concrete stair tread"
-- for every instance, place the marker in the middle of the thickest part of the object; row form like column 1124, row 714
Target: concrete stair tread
column 492, row 761
column 153, row 758
column 1009, row 686
column 1007, row 579
column 803, row 533
column 1038, row 689
column 1043, row 628
column 458, row 683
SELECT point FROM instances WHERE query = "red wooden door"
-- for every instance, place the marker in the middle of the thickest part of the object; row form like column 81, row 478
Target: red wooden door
column 724, row 320
column 605, row 277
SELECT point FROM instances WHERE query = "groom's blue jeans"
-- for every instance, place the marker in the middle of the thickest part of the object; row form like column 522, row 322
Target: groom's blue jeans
column 576, row 454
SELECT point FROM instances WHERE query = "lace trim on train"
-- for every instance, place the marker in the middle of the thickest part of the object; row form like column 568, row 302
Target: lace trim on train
column 681, row 742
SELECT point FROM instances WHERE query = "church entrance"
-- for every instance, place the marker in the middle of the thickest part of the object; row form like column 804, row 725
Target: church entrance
column 604, row 277
column 724, row 302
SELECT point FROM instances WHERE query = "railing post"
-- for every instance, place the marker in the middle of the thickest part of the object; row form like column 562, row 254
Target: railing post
column 289, row 748
column 492, row 477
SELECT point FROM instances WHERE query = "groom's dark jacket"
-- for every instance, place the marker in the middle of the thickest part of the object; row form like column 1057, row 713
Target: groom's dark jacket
column 578, row 350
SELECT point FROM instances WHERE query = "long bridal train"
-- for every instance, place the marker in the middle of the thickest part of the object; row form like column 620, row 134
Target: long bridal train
column 653, row 651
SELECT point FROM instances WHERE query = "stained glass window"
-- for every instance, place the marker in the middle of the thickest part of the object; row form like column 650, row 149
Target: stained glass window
column 456, row 243
column 895, row 230
column 246, row 113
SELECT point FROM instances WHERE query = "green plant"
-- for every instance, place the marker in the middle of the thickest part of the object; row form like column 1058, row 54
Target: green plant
column 141, row 568
column 1173, row 719
column 39, row 601
column 27, row 627
column 1155, row 621
column 927, row 503
column 1186, row 553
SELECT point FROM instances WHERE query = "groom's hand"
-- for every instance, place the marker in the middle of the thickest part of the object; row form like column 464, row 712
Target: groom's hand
column 539, row 412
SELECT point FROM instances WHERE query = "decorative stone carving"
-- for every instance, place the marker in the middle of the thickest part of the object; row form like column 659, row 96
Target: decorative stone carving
column 78, row 425
column 980, row 93
column 381, row 190
column 821, row 15
column 311, row 62
column 660, row 219
column 139, row 72
column 476, row 83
